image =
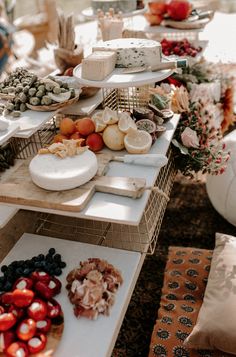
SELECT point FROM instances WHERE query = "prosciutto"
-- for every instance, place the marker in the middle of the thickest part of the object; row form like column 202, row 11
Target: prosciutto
column 92, row 287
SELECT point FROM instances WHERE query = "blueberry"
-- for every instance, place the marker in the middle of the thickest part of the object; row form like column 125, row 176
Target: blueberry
column 19, row 272
column 38, row 265
column 49, row 258
column 26, row 272
column 21, row 262
column 41, row 257
column 62, row 265
column 4, row 268
column 7, row 286
column 14, row 264
column 52, row 251
column 57, row 257
column 2, row 279
column 57, row 272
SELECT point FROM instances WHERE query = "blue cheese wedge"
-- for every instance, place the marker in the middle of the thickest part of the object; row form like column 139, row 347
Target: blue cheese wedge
column 98, row 65
column 133, row 52
column 118, row 5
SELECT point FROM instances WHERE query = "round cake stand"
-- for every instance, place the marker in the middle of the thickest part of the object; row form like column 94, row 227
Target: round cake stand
column 117, row 79
column 88, row 13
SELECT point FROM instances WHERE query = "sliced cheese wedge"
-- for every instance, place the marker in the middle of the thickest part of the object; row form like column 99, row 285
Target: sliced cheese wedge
column 55, row 174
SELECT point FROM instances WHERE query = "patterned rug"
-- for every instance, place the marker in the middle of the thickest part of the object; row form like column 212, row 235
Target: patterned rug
column 190, row 221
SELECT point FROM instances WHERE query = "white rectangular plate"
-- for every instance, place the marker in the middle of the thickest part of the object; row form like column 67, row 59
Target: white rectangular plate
column 7, row 134
column 82, row 337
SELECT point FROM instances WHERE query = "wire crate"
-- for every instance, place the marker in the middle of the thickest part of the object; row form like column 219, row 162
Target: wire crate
column 125, row 98
column 140, row 238
column 26, row 147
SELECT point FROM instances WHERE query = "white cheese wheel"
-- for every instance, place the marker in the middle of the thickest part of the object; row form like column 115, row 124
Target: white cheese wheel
column 55, row 174
column 133, row 52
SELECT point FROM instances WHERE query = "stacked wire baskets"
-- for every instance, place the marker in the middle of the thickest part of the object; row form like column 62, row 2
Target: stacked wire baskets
column 140, row 238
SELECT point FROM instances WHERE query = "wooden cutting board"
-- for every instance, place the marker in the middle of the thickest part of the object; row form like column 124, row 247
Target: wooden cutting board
column 17, row 187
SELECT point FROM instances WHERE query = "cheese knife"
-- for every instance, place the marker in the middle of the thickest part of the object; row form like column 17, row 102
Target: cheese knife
column 154, row 160
column 159, row 67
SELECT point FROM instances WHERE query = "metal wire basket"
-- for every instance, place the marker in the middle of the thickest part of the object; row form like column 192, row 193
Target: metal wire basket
column 26, row 147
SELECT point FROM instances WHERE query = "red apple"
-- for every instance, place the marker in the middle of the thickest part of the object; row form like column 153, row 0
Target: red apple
column 157, row 7
column 179, row 9
column 95, row 142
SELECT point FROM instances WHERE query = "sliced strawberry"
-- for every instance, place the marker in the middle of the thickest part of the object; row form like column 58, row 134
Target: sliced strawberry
column 17, row 349
column 26, row 329
column 6, row 338
column 7, row 320
column 23, row 283
column 40, row 276
column 54, row 309
column 43, row 326
column 6, row 298
column 22, row 298
column 37, row 310
column 37, row 343
column 17, row 311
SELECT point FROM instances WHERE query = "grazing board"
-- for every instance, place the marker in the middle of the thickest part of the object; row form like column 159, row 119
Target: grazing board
column 18, row 188
column 83, row 337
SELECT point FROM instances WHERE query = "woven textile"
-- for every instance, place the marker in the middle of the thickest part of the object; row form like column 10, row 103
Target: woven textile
column 185, row 280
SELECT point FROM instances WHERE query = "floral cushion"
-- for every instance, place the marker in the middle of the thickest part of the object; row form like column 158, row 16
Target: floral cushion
column 184, row 285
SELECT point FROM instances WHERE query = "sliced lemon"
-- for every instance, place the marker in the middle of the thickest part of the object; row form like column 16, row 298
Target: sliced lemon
column 97, row 118
column 110, row 116
column 126, row 122
column 138, row 142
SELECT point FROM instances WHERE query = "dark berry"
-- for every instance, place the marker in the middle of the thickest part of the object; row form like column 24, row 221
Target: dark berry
column 62, row 265
column 57, row 272
column 26, row 272
column 41, row 257
column 2, row 279
column 14, row 264
column 19, row 272
column 57, row 257
column 52, row 251
column 49, row 258
column 38, row 265
column 7, row 286
column 4, row 268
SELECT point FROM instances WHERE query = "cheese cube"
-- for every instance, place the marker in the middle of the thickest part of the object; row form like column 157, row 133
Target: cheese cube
column 98, row 65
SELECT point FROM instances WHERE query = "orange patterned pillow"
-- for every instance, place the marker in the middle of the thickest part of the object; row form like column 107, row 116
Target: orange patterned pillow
column 184, row 285
column 216, row 322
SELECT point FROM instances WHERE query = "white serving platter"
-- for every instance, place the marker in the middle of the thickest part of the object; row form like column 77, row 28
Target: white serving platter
column 30, row 121
column 9, row 132
column 83, row 337
column 117, row 79
column 164, row 29
column 191, row 60
column 89, row 14
column 6, row 214
column 84, row 106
